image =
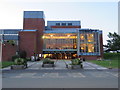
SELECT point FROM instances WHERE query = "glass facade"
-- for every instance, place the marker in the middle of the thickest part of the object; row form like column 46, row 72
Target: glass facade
column 10, row 34
column 63, row 43
column 67, row 45
column 60, row 41
column 89, row 42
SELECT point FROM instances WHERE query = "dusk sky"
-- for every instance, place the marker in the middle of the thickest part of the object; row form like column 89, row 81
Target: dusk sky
column 93, row 15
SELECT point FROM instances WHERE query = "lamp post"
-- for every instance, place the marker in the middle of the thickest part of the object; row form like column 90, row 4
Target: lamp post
column 1, row 45
column 2, row 40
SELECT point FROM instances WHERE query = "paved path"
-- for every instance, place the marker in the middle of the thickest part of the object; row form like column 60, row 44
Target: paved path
column 35, row 76
column 62, row 65
column 59, row 65
column 59, row 79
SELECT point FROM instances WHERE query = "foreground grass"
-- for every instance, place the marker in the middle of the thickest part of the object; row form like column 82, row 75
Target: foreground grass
column 106, row 63
column 6, row 64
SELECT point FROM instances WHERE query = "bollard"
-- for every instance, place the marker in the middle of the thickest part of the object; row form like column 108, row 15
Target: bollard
column 110, row 65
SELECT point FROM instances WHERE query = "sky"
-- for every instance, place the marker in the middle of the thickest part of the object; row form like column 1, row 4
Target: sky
column 93, row 14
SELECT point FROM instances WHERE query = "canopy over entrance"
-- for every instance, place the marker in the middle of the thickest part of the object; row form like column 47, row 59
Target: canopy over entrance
column 60, row 55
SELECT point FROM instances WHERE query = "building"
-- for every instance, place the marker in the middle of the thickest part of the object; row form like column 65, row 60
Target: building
column 8, row 50
column 57, row 40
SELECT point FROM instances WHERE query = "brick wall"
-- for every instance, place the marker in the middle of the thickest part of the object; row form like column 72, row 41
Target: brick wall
column 39, row 25
column 101, row 46
column 8, row 51
column 28, row 42
column 90, row 57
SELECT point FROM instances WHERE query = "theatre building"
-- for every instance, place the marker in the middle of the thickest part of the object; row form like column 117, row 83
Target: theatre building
column 57, row 40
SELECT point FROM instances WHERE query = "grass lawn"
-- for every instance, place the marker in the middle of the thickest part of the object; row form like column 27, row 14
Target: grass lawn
column 105, row 63
column 6, row 63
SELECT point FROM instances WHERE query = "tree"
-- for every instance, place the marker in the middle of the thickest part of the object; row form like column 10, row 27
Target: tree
column 12, row 42
column 113, row 44
column 23, row 54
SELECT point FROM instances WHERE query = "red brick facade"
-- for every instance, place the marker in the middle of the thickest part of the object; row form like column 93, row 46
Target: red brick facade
column 32, row 39
column 90, row 57
column 101, row 45
column 28, row 42
column 8, row 51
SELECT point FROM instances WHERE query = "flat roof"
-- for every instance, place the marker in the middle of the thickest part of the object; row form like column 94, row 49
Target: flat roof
column 69, row 30
column 29, row 30
column 34, row 14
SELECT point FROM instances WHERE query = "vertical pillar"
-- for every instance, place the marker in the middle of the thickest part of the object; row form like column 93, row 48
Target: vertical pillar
column 98, row 42
column 101, row 44
column 78, row 42
column 1, row 43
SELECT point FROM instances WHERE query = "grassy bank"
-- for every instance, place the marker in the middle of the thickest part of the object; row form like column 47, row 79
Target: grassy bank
column 110, row 60
column 108, row 64
column 6, row 64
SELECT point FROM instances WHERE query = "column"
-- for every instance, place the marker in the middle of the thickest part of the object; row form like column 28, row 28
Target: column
column 78, row 42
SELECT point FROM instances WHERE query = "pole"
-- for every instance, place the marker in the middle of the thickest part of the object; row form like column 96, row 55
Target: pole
column 78, row 42
column 1, row 42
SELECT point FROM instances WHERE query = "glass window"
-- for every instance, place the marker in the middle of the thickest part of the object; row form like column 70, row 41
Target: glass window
column 90, row 37
column 57, row 24
column 60, row 41
column 63, row 24
column 69, row 24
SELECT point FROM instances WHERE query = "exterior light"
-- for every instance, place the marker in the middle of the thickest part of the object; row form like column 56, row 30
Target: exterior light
column 82, row 37
column 51, row 35
column 68, row 35
column 82, row 48
column 89, row 40
column 43, row 37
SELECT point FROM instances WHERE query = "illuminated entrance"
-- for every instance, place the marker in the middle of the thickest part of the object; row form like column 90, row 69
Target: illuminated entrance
column 61, row 55
column 60, row 45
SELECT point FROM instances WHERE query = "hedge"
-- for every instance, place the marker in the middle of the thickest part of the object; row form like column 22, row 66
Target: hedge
column 111, row 55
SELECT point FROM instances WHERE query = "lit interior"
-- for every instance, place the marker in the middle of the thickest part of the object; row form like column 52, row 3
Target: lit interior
column 87, row 42
column 60, row 41
column 90, row 37
column 87, row 47
column 47, row 55
column 60, row 55
column 59, row 36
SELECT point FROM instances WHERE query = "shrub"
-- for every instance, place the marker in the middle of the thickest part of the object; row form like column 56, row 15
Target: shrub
column 51, row 62
column 12, row 42
column 76, row 62
column 28, row 59
column 111, row 55
column 23, row 54
column 14, row 57
column 20, row 61
column 47, row 61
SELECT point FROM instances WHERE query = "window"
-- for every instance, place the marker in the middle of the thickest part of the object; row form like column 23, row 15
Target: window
column 63, row 24
column 57, row 24
column 69, row 24
column 60, row 41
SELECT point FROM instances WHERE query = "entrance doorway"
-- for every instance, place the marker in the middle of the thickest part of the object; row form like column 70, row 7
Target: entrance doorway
column 60, row 56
